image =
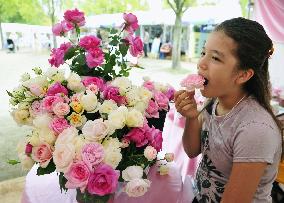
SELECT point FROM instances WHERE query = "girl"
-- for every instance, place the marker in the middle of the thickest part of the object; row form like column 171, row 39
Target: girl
column 237, row 133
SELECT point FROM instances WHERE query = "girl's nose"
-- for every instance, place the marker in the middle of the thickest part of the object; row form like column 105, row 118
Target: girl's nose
column 202, row 64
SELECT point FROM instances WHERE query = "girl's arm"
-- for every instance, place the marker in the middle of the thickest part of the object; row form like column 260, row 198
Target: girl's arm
column 243, row 182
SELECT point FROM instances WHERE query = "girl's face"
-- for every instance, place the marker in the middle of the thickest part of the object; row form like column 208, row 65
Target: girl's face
column 218, row 65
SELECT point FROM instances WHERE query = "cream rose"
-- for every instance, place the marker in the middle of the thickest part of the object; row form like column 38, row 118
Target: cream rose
column 42, row 121
column 137, row 187
column 132, row 172
column 134, row 118
column 150, row 153
column 95, row 130
column 123, row 84
column 112, row 158
column 117, row 118
column 107, row 106
column 67, row 136
column 63, row 156
column 22, row 117
column 74, row 83
column 89, row 101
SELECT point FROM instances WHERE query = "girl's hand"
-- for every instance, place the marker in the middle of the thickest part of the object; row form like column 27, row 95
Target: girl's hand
column 186, row 104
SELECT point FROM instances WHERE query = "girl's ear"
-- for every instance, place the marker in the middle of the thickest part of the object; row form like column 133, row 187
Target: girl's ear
column 244, row 76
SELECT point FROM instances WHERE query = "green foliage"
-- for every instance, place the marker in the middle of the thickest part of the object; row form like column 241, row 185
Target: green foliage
column 13, row 162
column 49, row 169
column 62, row 182
column 244, row 6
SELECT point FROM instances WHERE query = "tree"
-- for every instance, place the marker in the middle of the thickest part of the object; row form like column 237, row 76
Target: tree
column 179, row 7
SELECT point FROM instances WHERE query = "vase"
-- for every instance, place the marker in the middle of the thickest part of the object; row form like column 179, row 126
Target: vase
column 89, row 198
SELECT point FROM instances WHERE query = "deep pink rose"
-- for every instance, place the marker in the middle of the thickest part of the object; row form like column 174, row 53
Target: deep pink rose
column 153, row 110
column 92, row 154
column 149, row 85
column 136, row 45
column 103, row 181
column 57, row 55
column 77, row 176
column 75, row 16
column 58, row 125
column 89, row 42
column 170, row 93
column 94, row 57
column 49, row 101
column 29, row 149
column 112, row 92
column 56, row 88
column 42, row 154
column 155, row 138
column 131, row 22
column 139, row 135
column 162, row 100
column 59, row 29
column 94, row 81
column 35, row 108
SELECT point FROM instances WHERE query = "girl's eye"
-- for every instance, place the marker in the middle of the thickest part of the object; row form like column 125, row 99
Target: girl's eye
column 202, row 53
column 215, row 58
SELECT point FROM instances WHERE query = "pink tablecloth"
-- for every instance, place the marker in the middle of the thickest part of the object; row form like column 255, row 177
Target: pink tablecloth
column 164, row 189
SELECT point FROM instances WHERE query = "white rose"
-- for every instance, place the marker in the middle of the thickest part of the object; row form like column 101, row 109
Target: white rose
column 150, row 153
column 123, row 84
column 134, row 119
column 63, row 156
column 160, row 87
column 144, row 94
column 146, row 78
column 132, row 172
column 111, row 144
column 34, row 138
column 42, row 121
column 22, row 117
column 89, row 101
column 79, row 142
column 117, row 118
column 107, row 106
column 112, row 158
column 132, row 96
column 55, row 74
column 137, row 187
column 74, row 82
column 26, row 161
column 141, row 106
column 95, row 130
column 46, row 135
column 24, row 106
column 67, row 136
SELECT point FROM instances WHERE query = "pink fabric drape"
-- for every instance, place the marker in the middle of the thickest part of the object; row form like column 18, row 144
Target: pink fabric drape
column 271, row 15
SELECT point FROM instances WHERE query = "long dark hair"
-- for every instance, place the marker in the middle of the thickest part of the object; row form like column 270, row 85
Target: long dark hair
column 254, row 48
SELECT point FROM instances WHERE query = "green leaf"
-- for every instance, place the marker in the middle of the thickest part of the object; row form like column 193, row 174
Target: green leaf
column 112, row 60
column 123, row 48
column 49, row 169
column 81, row 59
column 113, row 31
column 9, row 93
column 62, row 182
column 13, row 162
column 70, row 53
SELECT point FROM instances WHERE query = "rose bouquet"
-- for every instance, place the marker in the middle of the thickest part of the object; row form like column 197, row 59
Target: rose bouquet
column 92, row 126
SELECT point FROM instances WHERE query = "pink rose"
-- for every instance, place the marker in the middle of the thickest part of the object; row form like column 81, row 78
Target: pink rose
column 57, row 55
column 125, row 142
column 49, row 101
column 35, row 108
column 95, row 81
column 58, row 125
column 29, row 149
column 61, row 109
column 75, row 17
column 59, row 29
column 92, row 155
column 94, row 57
column 89, row 42
column 155, row 138
column 136, row 45
column 42, row 154
column 192, row 82
column 150, row 153
column 36, row 90
column 170, row 93
column 103, row 181
column 162, row 100
column 77, row 176
column 138, row 135
column 56, row 88
column 131, row 22
column 93, row 88
column 149, row 85
column 112, row 93
column 153, row 110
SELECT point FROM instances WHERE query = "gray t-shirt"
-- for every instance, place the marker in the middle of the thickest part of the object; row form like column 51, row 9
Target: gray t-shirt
column 247, row 134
